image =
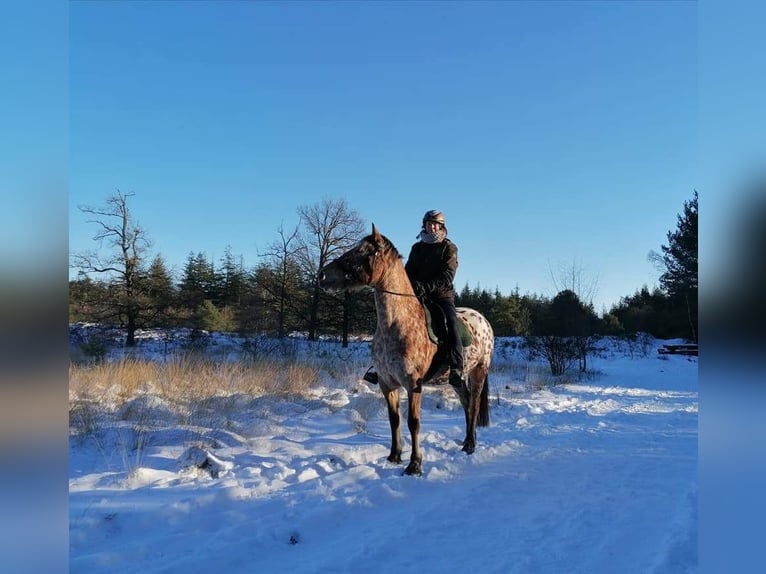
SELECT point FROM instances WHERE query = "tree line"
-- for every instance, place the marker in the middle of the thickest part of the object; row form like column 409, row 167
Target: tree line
column 120, row 285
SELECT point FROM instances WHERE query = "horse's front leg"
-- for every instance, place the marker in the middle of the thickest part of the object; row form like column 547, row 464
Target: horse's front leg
column 413, row 422
column 392, row 402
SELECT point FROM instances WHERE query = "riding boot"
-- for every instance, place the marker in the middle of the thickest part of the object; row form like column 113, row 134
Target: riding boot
column 371, row 376
column 456, row 378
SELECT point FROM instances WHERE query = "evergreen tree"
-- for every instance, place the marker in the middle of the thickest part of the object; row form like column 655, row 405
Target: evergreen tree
column 644, row 312
column 208, row 317
column 198, row 282
column 679, row 260
column 508, row 318
column 88, row 299
column 161, row 291
column 231, row 280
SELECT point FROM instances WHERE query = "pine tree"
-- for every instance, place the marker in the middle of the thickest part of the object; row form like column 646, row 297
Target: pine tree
column 198, row 282
column 644, row 312
column 679, row 259
column 160, row 290
column 232, row 280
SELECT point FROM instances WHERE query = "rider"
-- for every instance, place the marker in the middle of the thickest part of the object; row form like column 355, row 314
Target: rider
column 431, row 267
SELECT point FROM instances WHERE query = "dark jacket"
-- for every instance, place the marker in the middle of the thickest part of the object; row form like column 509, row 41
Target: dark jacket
column 434, row 266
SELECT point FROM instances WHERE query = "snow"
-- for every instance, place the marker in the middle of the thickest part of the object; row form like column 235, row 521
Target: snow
column 598, row 475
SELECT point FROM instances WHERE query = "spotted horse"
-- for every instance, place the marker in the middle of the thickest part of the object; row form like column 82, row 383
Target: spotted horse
column 402, row 350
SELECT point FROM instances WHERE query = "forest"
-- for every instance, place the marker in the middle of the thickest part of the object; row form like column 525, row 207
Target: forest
column 120, row 284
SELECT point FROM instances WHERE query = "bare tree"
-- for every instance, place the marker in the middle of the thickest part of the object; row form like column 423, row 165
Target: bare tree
column 573, row 277
column 282, row 285
column 123, row 263
column 329, row 228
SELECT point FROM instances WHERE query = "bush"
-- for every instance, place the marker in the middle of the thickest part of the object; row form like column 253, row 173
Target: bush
column 208, row 317
column 560, row 352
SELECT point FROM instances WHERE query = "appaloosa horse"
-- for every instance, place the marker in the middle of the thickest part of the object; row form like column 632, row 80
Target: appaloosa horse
column 402, row 350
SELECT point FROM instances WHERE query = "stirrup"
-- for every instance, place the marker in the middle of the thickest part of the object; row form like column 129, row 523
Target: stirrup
column 371, row 376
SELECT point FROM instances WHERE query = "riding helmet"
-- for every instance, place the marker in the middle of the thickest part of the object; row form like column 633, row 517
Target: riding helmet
column 436, row 216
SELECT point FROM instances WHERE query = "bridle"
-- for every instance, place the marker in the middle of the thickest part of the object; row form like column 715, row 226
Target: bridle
column 372, row 267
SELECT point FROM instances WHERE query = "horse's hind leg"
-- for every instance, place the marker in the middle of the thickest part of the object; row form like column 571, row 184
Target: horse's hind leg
column 464, row 395
column 392, row 402
column 475, row 407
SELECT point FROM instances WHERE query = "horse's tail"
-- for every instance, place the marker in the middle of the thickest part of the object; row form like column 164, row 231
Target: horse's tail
column 483, row 420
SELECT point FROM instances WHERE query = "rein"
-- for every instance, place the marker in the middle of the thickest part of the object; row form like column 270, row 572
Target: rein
column 372, row 266
column 395, row 293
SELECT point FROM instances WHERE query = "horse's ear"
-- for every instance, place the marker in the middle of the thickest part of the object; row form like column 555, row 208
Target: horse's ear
column 375, row 234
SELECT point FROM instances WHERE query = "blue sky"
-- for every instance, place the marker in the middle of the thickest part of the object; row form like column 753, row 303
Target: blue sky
column 551, row 134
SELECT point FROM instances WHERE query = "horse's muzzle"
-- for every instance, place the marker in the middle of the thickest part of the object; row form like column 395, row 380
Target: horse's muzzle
column 325, row 279
column 332, row 277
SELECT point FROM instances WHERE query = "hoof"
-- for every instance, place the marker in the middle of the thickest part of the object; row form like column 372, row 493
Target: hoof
column 413, row 469
column 395, row 458
column 469, row 448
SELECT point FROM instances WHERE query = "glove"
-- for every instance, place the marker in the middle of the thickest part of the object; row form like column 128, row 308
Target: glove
column 419, row 289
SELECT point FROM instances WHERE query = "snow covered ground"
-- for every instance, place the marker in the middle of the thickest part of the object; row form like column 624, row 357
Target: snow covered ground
column 595, row 476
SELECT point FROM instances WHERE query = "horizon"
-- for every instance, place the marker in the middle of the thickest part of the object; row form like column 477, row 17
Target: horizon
column 176, row 270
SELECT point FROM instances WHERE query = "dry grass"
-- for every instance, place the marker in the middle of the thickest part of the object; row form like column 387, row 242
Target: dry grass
column 121, row 406
column 187, row 379
column 118, row 404
column 521, row 376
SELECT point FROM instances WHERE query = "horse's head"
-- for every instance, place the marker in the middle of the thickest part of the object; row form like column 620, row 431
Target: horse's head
column 360, row 266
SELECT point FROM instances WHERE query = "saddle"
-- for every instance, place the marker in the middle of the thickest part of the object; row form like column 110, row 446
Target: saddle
column 436, row 322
